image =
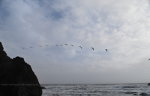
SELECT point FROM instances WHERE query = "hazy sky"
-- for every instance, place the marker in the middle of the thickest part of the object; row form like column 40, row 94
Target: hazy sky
column 121, row 26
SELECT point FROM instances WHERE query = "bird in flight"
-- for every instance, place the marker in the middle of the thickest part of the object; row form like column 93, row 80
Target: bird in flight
column 58, row 45
column 72, row 45
column 92, row 48
column 23, row 48
column 106, row 50
column 80, row 47
column 66, row 44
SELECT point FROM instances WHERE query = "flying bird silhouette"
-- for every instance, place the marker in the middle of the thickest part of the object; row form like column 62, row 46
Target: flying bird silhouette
column 92, row 48
column 58, row 45
column 80, row 47
column 66, row 44
column 72, row 45
column 23, row 48
column 106, row 50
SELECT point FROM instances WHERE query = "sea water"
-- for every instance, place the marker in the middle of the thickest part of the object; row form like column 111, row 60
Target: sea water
column 95, row 89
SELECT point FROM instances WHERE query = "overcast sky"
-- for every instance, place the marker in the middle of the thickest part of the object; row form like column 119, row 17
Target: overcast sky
column 32, row 29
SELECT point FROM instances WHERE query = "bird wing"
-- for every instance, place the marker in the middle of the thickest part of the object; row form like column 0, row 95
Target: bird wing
column 80, row 47
column 92, row 48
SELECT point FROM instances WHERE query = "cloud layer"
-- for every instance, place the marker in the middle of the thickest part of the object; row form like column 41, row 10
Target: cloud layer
column 121, row 26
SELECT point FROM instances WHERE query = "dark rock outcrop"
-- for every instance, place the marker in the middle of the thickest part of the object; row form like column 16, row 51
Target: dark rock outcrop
column 17, row 77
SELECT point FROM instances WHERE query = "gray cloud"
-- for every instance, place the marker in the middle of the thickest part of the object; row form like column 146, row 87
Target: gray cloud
column 121, row 26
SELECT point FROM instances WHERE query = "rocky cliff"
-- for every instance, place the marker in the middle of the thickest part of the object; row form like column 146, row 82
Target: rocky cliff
column 17, row 77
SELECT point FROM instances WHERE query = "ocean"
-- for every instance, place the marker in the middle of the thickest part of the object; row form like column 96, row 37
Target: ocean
column 136, row 89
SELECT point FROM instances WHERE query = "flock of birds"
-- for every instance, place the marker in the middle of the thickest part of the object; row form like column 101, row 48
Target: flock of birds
column 61, row 45
column 81, row 47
